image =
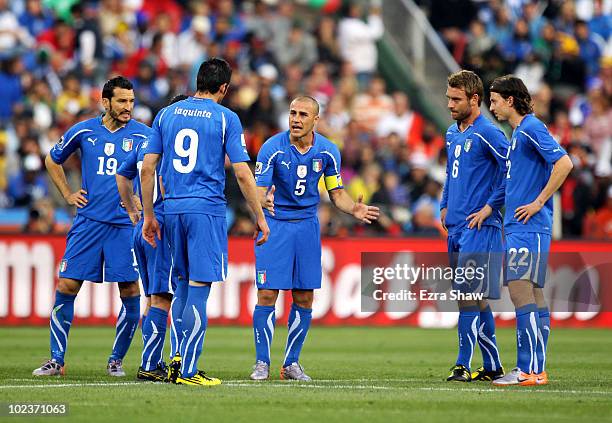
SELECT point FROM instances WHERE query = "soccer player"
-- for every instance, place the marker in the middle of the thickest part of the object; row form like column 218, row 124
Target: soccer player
column 99, row 244
column 536, row 168
column 291, row 164
column 470, row 210
column 155, row 264
column 192, row 137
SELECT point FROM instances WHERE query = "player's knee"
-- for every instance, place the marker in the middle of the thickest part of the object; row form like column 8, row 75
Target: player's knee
column 267, row 297
column 163, row 301
column 69, row 286
column 521, row 293
column 129, row 289
column 303, row 299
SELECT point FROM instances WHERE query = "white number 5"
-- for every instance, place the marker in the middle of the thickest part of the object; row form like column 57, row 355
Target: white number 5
column 191, row 153
column 300, row 187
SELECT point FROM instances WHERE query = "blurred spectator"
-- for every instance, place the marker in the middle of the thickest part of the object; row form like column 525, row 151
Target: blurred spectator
column 300, row 48
column 357, row 40
column 41, row 219
column 370, row 107
column 403, row 121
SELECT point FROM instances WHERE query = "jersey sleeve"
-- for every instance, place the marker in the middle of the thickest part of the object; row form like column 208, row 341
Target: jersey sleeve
column 333, row 180
column 264, row 167
column 233, row 138
column 444, row 201
column 68, row 143
column 543, row 143
column 496, row 144
column 129, row 167
column 154, row 143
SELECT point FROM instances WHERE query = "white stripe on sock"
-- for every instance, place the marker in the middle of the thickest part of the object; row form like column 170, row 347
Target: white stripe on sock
column 291, row 344
column 195, row 329
column 149, row 342
column 119, row 322
column 57, row 323
column 482, row 341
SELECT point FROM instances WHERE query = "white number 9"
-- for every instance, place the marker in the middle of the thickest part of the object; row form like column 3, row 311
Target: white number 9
column 191, row 153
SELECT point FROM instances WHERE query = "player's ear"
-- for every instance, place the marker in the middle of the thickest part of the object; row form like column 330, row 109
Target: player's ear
column 106, row 103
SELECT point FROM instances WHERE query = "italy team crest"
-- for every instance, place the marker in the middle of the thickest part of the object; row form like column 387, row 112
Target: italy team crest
column 63, row 265
column 467, row 145
column 317, row 165
column 127, row 144
column 302, row 171
column 109, row 148
column 261, row 277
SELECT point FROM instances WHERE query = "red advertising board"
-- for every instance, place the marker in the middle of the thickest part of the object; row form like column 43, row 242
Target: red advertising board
column 29, row 264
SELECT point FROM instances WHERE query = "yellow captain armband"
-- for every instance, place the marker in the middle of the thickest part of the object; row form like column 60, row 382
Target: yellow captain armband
column 333, row 182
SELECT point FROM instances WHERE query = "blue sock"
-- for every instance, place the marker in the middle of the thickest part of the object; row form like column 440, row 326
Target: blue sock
column 467, row 329
column 526, row 337
column 61, row 319
column 264, row 319
column 487, row 341
column 155, row 332
column 543, row 332
column 143, row 325
column 176, row 313
column 194, row 328
column 299, row 323
column 129, row 316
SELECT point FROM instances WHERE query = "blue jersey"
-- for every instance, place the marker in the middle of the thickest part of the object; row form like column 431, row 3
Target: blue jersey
column 475, row 172
column 131, row 167
column 101, row 152
column 193, row 136
column 533, row 152
column 295, row 175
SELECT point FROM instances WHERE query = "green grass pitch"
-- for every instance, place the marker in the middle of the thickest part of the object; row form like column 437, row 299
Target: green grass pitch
column 360, row 374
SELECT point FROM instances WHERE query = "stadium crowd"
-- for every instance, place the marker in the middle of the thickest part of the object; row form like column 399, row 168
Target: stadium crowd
column 55, row 56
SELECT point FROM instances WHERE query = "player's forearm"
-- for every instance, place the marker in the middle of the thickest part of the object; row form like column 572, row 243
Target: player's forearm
column 147, row 181
column 56, row 172
column 342, row 200
column 246, row 181
column 561, row 169
column 261, row 195
column 126, row 192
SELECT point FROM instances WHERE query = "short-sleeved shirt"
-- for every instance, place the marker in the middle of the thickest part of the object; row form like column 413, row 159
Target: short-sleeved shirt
column 193, row 136
column 532, row 154
column 295, row 175
column 101, row 153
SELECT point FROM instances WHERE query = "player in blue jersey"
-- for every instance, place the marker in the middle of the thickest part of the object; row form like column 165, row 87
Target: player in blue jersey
column 99, row 244
column 537, row 166
column 288, row 169
column 470, row 210
column 193, row 137
column 155, row 264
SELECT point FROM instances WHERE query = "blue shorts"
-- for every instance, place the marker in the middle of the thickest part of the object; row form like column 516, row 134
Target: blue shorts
column 482, row 251
column 527, row 257
column 154, row 264
column 198, row 243
column 291, row 258
column 98, row 251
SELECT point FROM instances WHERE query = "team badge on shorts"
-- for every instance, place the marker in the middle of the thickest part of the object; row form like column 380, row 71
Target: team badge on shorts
column 109, row 148
column 258, row 168
column 302, row 171
column 317, row 165
column 63, row 265
column 127, row 144
column 261, row 277
column 468, row 145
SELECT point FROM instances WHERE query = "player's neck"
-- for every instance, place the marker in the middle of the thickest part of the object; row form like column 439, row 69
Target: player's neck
column 304, row 143
column 111, row 123
column 515, row 120
column 464, row 124
column 217, row 97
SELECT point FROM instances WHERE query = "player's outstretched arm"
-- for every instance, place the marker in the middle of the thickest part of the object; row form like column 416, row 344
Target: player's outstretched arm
column 561, row 169
column 361, row 211
column 56, row 172
column 126, row 192
column 246, row 181
column 150, row 227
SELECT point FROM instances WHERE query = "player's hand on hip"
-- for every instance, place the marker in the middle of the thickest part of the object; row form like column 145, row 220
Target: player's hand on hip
column 77, row 198
column 443, row 218
column 525, row 212
column 269, row 201
column 150, row 229
column 476, row 219
column 364, row 213
column 262, row 226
